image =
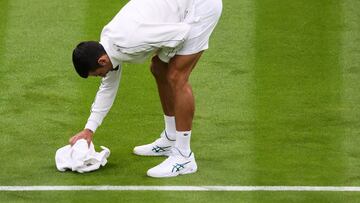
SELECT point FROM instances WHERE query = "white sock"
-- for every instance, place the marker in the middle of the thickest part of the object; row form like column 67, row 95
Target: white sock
column 183, row 142
column 170, row 129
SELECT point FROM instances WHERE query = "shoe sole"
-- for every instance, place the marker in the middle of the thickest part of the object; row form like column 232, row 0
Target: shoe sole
column 176, row 174
column 140, row 154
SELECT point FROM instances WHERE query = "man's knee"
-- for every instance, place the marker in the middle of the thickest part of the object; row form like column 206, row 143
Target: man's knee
column 158, row 68
column 177, row 79
column 180, row 68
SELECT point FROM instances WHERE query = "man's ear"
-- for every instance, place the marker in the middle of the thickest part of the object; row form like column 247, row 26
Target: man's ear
column 102, row 60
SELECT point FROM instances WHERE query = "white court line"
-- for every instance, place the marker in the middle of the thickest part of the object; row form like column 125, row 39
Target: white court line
column 181, row 188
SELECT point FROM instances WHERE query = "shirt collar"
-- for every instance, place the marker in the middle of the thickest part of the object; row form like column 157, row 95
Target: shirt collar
column 114, row 62
column 116, row 68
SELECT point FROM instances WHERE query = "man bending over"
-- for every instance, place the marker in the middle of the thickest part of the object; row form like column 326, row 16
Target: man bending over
column 175, row 33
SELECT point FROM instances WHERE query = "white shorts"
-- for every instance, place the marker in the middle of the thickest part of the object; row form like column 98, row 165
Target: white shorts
column 204, row 16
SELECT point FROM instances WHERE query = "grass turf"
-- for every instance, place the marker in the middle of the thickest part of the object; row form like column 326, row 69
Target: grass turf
column 202, row 197
column 276, row 95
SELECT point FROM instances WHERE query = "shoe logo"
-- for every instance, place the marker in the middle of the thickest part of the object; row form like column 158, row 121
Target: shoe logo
column 158, row 149
column 186, row 134
column 177, row 167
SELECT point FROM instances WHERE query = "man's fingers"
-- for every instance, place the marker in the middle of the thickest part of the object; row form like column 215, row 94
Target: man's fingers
column 73, row 140
column 79, row 136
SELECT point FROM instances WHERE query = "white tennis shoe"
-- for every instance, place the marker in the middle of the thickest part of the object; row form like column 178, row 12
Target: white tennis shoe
column 176, row 164
column 160, row 147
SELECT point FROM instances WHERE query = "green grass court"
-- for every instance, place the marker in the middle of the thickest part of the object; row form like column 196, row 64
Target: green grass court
column 277, row 103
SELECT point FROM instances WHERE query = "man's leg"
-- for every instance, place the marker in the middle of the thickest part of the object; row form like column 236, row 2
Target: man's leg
column 182, row 160
column 163, row 145
column 180, row 68
column 159, row 69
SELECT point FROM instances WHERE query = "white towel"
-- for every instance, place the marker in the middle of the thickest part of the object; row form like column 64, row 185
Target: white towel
column 80, row 157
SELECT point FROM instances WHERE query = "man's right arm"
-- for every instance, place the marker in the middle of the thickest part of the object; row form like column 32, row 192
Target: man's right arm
column 102, row 104
column 104, row 99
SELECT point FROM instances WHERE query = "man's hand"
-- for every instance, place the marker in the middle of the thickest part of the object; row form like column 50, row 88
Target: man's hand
column 85, row 134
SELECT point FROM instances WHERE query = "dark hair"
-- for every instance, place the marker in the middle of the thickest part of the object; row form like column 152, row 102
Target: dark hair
column 85, row 57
